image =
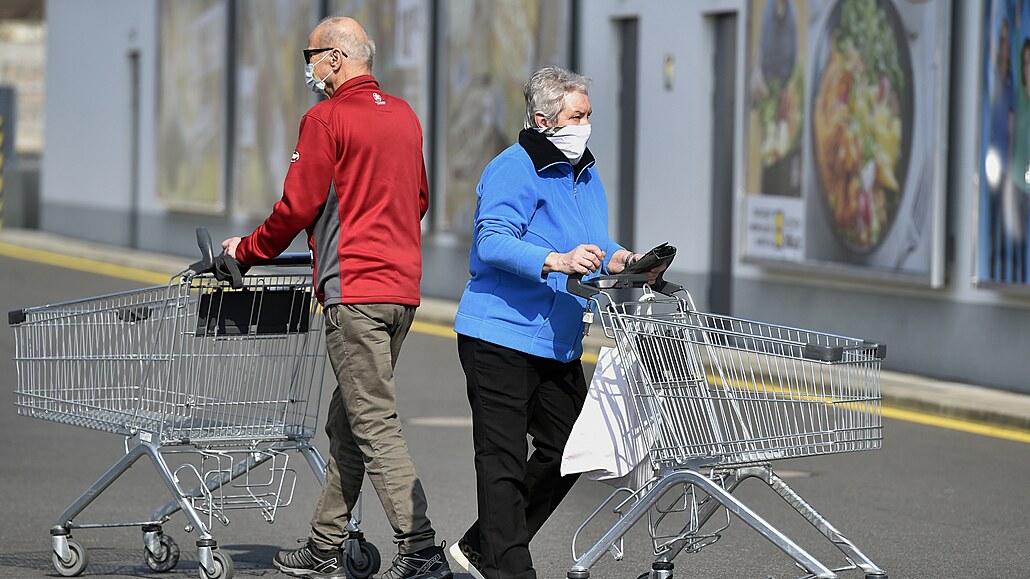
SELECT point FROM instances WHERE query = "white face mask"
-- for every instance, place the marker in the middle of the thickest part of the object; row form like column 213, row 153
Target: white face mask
column 570, row 140
column 316, row 86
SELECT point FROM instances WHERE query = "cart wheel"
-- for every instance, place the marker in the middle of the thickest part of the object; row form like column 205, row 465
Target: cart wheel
column 369, row 563
column 170, row 558
column 223, row 567
column 78, row 558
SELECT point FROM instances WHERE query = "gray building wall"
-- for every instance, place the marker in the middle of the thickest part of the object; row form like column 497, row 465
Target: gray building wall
column 956, row 332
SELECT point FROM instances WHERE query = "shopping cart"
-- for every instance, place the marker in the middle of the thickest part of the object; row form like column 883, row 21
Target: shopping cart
column 718, row 399
column 222, row 370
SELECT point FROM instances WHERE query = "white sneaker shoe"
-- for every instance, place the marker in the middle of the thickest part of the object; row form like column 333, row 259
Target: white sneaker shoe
column 466, row 558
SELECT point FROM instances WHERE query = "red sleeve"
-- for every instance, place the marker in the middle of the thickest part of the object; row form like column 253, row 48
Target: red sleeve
column 304, row 194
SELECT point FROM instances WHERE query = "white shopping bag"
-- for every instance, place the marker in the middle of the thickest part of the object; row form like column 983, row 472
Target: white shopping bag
column 608, row 442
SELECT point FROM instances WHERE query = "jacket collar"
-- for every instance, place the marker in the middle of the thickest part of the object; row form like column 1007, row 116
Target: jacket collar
column 366, row 81
column 544, row 154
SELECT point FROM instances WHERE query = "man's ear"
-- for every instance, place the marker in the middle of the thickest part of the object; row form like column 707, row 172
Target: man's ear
column 540, row 119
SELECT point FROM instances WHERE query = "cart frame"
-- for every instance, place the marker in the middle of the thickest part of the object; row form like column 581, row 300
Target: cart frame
column 223, row 367
column 719, row 398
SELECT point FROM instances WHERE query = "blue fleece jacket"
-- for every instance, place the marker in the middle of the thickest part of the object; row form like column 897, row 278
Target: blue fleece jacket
column 531, row 201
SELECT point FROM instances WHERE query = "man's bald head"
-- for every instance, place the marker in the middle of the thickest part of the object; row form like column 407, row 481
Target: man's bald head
column 349, row 36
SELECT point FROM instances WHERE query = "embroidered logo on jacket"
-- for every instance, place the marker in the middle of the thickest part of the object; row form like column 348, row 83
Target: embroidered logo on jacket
column 378, row 99
column 295, row 157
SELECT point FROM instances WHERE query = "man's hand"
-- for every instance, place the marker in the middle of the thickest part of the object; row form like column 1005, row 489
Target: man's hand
column 584, row 259
column 230, row 245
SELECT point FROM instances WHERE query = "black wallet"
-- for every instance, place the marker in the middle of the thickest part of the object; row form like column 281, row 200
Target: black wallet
column 662, row 254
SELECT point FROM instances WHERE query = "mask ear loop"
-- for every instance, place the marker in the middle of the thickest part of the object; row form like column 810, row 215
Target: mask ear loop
column 320, row 84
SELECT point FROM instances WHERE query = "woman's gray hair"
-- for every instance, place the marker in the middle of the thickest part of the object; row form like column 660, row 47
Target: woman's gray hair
column 360, row 49
column 545, row 92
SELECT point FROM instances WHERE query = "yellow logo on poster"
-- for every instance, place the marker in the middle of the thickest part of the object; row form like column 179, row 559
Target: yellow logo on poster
column 778, row 229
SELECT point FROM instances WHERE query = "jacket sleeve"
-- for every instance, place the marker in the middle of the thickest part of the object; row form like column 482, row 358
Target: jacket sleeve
column 506, row 205
column 305, row 192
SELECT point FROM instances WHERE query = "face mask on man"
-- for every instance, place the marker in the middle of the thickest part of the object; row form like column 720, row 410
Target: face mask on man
column 570, row 140
column 316, row 86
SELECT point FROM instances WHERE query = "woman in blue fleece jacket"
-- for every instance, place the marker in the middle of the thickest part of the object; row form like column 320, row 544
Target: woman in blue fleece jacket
column 541, row 215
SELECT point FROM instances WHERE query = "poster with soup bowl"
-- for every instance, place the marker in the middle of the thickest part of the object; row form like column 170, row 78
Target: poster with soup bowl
column 846, row 137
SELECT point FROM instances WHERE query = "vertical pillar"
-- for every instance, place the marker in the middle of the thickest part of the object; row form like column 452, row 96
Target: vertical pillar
column 7, row 96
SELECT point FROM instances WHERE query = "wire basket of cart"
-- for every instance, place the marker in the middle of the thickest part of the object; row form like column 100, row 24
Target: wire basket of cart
column 221, row 369
column 716, row 399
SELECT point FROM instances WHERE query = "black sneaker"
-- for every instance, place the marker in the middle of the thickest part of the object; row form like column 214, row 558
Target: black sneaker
column 429, row 563
column 468, row 558
column 310, row 561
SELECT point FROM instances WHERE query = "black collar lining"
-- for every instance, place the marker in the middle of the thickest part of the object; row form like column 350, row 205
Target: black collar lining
column 544, row 154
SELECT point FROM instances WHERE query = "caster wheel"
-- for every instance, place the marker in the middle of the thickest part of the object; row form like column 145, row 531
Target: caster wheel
column 223, row 567
column 369, row 563
column 78, row 558
column 169, row 558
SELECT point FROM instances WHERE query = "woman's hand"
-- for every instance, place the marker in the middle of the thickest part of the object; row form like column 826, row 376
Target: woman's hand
column 586, row 258
column 622, row 259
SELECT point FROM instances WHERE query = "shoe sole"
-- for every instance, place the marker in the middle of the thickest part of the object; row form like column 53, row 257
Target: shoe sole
column 463, row 562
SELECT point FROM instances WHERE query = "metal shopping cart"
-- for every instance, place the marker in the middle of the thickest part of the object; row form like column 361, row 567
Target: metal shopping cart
column 718, row 399
column 220, row 369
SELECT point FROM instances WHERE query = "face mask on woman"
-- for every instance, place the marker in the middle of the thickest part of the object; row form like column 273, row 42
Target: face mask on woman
column 570, row 140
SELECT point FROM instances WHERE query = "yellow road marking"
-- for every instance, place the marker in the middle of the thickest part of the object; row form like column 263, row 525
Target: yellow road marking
column 445, row 331
column 83, row 264
column 1003, row 432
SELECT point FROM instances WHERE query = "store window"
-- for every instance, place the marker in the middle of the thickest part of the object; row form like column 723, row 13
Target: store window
column 270, row 96
column 489, row 49
column 192, row 107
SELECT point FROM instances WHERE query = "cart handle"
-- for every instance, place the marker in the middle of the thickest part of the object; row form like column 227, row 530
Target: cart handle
column 577, row 286
column 226, row 268
column 595, row 285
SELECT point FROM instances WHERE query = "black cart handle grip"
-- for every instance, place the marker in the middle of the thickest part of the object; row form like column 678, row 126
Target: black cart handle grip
column 591, row 287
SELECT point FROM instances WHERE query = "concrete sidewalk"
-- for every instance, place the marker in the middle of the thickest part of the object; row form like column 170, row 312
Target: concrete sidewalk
column 902, row 391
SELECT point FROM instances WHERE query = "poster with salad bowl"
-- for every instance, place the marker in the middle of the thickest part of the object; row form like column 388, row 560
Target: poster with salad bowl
column 861, row 122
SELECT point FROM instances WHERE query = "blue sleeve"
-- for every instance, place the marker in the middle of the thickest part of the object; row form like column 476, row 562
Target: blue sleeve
column 507, row 202
column 609, row 251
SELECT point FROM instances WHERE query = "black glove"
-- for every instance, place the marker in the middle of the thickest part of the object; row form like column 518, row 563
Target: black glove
column 226, row 268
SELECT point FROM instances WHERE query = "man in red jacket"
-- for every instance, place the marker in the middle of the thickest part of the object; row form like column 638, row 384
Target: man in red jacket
column 357, row 185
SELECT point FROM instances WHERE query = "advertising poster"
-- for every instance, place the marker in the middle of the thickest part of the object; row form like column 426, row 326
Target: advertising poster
column 271, row 96
column 191, row 109
column 846, row 111
column 1004, row 154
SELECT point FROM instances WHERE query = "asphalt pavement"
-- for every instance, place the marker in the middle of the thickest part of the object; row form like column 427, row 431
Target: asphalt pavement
column 944, row 497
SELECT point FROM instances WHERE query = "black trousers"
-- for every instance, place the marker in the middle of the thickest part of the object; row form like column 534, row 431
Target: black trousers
column 513, row 394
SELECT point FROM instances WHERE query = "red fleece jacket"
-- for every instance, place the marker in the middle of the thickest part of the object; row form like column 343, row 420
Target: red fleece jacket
column 357, row 185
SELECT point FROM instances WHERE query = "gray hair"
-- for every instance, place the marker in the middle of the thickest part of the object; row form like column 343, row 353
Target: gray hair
column 360, row 49
column 545, row 92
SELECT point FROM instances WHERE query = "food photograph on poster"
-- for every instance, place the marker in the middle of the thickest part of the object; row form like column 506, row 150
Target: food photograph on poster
column 861, row 120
